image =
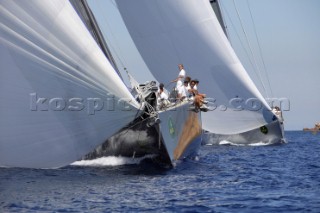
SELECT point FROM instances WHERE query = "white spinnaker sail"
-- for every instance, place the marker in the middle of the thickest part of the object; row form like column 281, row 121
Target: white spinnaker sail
column 168, row 32
column 59, row 94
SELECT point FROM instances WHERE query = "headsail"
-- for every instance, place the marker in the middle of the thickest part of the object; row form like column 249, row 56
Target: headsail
column 86, row 15
column 59, row 94
column 168, row 32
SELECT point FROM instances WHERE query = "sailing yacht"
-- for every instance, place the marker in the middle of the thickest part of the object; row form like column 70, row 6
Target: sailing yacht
column 271, row 133
column 166, row 32
column 62, row 98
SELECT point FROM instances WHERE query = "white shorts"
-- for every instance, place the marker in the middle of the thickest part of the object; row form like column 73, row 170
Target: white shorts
column 179, row 84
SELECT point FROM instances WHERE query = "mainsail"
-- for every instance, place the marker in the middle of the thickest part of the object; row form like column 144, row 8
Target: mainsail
column 60, row 97
column 168, row 32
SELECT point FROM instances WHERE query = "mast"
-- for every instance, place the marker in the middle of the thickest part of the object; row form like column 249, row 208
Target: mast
column 87, row 17
column 216, row 7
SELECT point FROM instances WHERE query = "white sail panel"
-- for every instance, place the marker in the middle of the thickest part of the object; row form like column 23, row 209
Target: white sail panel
column 168, row 33
column 60, row 97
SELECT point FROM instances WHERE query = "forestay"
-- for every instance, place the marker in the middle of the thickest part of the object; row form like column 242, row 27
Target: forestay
column 60, row 97
column 168, row 32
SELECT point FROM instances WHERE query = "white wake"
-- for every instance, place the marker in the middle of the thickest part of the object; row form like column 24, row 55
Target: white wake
column 110, row 161
column 260, row 143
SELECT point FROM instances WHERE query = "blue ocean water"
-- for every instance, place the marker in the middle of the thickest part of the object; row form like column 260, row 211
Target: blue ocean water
column 275, row 178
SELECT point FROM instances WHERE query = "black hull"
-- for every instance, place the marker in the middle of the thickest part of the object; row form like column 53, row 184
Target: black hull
column 140, row 138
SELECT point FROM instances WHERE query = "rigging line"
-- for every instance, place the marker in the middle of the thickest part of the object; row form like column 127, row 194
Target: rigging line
column 223, row 19
column 260, row 50
column 107, row 28
column 135, row 117
column 116, row 54
column 250, row 48
column 238, row 36
column 97, row 31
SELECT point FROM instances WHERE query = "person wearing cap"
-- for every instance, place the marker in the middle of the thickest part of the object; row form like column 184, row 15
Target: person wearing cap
column 162, row 99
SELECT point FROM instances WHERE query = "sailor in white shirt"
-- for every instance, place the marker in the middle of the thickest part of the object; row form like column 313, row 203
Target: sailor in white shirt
column 183, row 91
column 196, row 85
column 181, row 76
column 162, row 99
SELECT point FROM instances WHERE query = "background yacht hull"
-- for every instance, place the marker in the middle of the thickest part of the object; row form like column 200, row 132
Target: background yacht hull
column 272, row 133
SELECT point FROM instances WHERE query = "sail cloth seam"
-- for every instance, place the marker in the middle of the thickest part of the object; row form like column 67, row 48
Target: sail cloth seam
column 59, row 72
column 22, row 50
column 35, row 34
column 93, row 83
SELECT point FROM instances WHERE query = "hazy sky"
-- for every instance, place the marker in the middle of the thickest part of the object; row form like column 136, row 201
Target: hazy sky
column 288, row 33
